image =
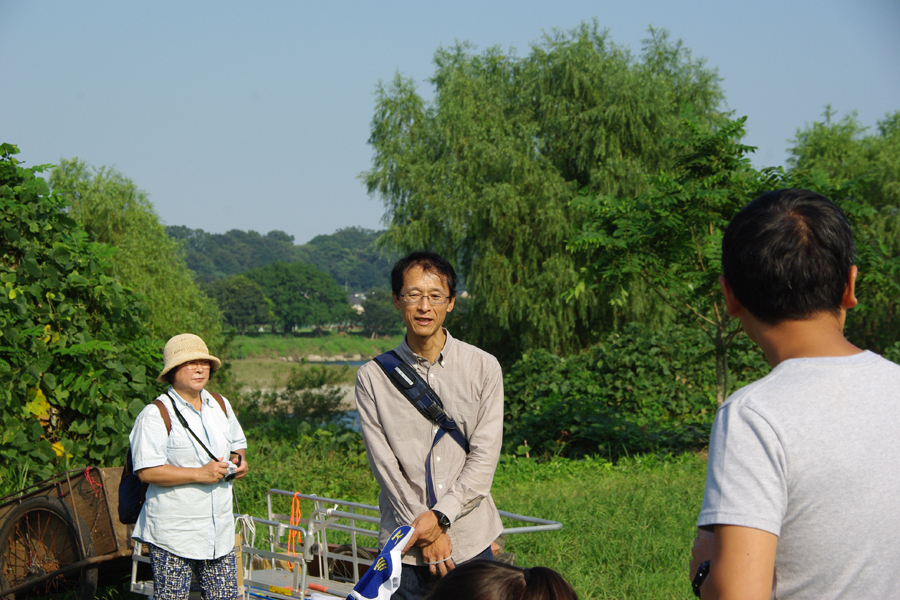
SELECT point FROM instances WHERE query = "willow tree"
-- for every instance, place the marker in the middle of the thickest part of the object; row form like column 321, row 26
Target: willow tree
column 114, row 211
column 487, row 171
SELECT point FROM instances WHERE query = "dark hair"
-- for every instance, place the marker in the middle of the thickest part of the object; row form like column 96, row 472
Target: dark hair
column 429, row 261
column 489, row 580
column 787, row 254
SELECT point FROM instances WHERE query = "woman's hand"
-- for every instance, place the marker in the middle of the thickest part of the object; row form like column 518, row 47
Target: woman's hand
column 242, row 468
column 212, row 472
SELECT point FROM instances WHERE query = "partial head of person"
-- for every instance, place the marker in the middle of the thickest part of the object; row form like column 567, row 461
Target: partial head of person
column 187, row 361
column 490, row 580
column 423, row 285
column 788, row 256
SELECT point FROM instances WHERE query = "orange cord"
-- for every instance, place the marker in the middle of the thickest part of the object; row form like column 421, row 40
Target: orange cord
column 293, row 535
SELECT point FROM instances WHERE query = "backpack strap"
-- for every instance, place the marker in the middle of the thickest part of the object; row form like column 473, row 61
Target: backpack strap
column 221, row 402
column 427, row 402
column 164, row 414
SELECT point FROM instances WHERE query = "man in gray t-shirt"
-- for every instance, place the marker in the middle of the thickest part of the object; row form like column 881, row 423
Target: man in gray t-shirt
column 804, row 464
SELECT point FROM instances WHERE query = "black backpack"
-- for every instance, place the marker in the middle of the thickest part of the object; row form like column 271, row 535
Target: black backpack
column 133, row 491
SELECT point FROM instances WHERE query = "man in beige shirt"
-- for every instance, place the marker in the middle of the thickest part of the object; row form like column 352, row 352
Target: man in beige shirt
column 463, row 521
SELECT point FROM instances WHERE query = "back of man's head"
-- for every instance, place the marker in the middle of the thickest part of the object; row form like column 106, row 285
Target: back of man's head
column 787, row 256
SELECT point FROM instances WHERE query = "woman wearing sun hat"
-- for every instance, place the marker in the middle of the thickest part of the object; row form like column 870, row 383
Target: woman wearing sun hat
column 187, row 520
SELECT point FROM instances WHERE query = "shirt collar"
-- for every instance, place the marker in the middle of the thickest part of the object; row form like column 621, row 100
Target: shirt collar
column 411, row 358
column 205, row 397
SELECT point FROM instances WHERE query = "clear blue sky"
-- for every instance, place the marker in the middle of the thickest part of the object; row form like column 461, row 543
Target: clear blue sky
column 255, row 115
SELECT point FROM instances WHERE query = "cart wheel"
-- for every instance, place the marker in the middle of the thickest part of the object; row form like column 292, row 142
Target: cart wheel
column 39, row 537
column 342, row 569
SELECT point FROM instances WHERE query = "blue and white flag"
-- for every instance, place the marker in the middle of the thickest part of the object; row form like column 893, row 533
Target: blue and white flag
column 383, row 577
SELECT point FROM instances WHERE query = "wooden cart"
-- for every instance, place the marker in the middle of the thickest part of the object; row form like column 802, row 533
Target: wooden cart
column 54, row 536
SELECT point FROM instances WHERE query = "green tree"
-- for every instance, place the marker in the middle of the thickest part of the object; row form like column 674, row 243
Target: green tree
column 114, row 211
column 76, row 365
column 243, row 302
column 671, row 235
column 846, row 153
column 301, row 295
column 486, row 174
column 380, row 316
column 869, row 164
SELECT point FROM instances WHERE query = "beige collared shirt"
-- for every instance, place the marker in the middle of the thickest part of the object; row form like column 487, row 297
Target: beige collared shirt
column 398, row 438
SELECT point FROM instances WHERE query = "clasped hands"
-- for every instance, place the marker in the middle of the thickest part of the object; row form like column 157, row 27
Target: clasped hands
column 434, row 542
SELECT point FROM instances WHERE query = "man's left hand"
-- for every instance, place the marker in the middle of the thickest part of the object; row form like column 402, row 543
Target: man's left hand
column 438, row 553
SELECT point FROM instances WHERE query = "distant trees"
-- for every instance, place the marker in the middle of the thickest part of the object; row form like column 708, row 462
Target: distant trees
column 243, row 302
column 301, row 295
column 112, row 210
column 488, row 172
column 349, row 255
column 380, row 316
column 215, row 256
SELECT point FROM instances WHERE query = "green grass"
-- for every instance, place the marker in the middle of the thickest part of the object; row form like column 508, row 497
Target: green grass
column 627, row 529
column 267, row 372
column 302, row 346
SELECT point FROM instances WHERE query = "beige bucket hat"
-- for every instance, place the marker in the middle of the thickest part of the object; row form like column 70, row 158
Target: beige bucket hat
column 184, row 348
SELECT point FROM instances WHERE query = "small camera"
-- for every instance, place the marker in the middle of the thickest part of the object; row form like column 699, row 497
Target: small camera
column 232, row 472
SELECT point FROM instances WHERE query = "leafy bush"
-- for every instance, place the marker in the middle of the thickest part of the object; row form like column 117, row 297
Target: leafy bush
column 75, row 365
column 638, row 391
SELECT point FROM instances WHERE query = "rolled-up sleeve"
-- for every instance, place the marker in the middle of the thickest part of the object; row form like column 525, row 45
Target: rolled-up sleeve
column 237, row 437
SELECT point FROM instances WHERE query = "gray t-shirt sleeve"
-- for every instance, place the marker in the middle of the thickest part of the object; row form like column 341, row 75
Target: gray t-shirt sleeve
column 746, row 477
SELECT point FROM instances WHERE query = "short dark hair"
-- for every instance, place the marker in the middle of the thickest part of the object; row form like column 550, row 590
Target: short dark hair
column 787, row 255
column 429, row 261
column 489, row 580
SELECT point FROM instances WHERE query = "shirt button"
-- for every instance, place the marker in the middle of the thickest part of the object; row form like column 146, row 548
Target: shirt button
column 440, row 487
column 437, row 458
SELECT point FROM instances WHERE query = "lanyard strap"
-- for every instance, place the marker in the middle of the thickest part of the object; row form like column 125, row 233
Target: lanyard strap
column 182, row 420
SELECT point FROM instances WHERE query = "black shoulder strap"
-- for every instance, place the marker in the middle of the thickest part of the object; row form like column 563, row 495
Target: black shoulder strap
column 429, row 405
column 419, row 394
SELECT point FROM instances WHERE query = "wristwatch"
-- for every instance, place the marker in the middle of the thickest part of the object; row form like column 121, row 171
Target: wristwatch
column 443, row 521
column 700, row 577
